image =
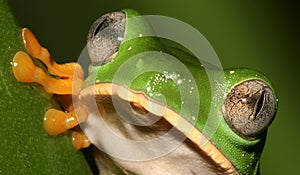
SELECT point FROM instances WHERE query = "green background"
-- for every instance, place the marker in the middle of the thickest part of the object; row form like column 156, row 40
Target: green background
column 263, row 35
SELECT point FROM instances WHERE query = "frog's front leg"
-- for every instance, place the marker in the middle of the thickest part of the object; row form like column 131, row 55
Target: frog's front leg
column 66, row 78
column 62, row 79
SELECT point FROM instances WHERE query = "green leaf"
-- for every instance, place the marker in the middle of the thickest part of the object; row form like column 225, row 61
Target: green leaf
column 25, row 148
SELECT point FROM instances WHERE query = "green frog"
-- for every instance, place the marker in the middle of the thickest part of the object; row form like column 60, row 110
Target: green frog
column 149, row 105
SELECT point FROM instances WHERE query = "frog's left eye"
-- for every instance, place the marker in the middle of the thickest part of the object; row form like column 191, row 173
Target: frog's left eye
column 105, row 37
column 250, row 108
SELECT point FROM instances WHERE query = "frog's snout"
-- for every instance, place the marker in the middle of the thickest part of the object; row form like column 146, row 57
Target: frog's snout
column 250, row 108
column 105, row 37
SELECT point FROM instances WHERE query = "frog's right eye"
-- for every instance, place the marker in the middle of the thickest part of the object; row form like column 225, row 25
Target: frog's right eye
column 105, row 37
column 250, row 108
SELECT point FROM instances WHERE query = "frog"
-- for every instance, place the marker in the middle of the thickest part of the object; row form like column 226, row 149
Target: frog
column 150, row 108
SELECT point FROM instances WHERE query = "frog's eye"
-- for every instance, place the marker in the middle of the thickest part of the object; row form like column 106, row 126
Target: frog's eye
column 105, row 37
column 250, row 108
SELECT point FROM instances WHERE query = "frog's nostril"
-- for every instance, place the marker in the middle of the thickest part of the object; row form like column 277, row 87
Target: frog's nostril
column 250, row 108
column 105, row 37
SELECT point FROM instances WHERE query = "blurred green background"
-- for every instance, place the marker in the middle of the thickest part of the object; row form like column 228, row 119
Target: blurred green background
column 263, row 35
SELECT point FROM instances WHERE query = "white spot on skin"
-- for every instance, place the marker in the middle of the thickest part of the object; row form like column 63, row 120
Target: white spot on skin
column 158, row 94
column 179, row 81
column 171, row 76
column 148, row 88
column 120, row 39
column 14, row 64
column 244, row 100
column 70, row 119
column 231, row 72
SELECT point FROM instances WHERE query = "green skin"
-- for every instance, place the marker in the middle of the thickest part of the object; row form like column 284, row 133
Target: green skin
column 243, row 153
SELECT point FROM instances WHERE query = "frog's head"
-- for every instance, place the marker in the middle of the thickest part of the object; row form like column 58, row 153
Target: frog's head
column 161, row 112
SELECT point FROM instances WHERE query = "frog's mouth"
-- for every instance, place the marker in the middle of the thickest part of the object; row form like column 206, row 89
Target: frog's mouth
column 133, row 118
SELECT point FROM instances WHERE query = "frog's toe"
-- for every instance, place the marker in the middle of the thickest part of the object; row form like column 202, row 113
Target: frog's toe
column 23, row 68
column 33, row 47
column 31, row 44
column 57, row 122
column 80, row 140
column 27, row 72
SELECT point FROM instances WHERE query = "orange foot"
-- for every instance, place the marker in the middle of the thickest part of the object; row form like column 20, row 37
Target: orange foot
column 62, row 79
